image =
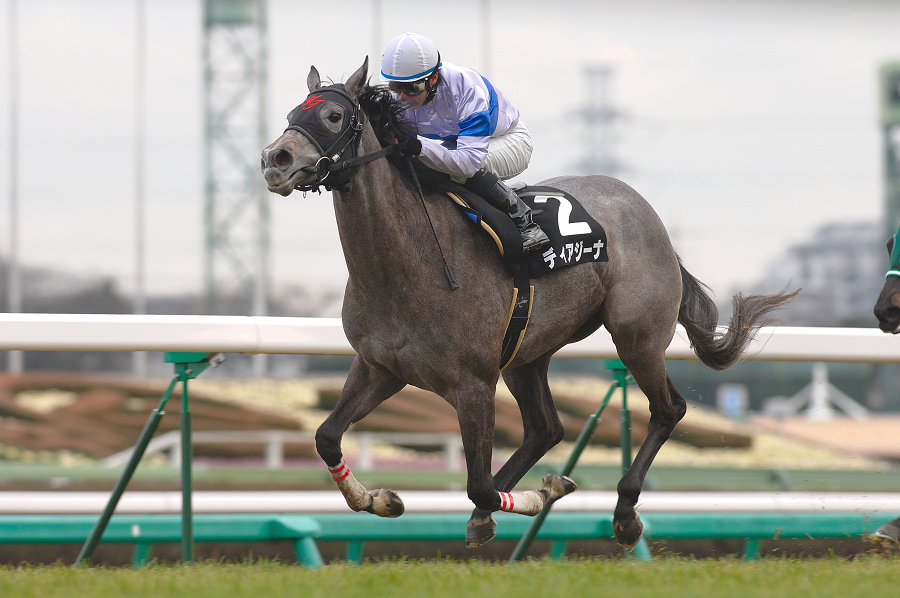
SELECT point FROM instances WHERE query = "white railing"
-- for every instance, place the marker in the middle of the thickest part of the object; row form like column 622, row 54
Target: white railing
column 423, row 501
column 325, row 336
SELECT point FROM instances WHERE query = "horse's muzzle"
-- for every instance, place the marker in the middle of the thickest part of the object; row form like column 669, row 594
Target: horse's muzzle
column 888, row 318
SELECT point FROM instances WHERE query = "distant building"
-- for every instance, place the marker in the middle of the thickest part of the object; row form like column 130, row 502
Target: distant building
column 841, row 271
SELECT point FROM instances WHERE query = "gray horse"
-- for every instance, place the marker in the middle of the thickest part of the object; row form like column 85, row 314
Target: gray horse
column 408, row 326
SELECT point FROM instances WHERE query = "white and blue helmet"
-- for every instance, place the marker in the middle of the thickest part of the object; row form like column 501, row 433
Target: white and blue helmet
column 409, row 57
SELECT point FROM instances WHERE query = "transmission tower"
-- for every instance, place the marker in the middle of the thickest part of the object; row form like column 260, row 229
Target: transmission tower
column 598, row 124
column 236, row 218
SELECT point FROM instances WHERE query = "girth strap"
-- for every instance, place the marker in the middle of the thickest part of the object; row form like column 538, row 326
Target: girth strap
column 519, row 315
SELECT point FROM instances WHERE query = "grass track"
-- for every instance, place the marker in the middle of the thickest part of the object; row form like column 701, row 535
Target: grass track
column 670, row 577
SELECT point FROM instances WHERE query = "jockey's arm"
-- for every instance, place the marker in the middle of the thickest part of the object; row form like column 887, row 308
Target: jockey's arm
column 461, row 161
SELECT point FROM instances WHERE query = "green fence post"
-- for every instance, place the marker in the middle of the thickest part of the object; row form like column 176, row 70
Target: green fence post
column 354, row 552
column 620, row 375
column 187, row 365
column 187, row 455
column 558, row 550
column 141, row 553
column 751, row 549
column 143, row 440
column 308, row 553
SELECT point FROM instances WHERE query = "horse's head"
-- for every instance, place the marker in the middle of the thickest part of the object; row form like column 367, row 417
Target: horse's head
column 322, row 130
column 887, row 308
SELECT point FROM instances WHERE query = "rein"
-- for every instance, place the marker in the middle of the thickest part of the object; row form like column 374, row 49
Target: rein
column 447, row 269
column 307, row 124
column 328, row 164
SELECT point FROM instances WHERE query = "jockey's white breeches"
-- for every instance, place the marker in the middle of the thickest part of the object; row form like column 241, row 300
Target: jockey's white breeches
column 508, row 155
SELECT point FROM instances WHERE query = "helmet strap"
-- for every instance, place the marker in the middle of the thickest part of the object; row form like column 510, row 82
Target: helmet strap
column 429, row 90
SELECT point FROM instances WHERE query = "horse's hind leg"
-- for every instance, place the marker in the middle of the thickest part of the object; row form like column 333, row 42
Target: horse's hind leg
column 667, row 407
column 542, row 431
column 366, row 388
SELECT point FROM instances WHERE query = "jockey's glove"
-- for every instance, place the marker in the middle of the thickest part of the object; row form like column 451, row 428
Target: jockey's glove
column 409, row 146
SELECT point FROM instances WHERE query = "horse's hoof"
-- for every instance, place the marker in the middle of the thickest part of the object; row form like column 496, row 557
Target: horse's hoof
column 386, row 503
column 555, row 487
column 886, row 539
column 887, row 535
column 479, row 532
column 628, row 534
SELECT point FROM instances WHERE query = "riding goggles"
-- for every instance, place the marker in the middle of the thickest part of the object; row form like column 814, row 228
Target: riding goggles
column 410, row 88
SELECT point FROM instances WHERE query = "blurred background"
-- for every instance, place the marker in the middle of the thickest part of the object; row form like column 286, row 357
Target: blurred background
column 764, row 133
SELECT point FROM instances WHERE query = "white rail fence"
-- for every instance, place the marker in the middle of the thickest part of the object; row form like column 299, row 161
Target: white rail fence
column 325, row 336
column 423, row 501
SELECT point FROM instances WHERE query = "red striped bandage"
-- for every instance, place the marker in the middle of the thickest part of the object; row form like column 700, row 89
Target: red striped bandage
column 340, row 472
column 506, row 501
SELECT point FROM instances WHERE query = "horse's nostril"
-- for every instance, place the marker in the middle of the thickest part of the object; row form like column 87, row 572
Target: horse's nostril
column 892, row 313
column 282, row 158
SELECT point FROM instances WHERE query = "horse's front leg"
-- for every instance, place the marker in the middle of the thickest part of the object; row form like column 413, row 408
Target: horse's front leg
column 366, row 388
column 476, row 424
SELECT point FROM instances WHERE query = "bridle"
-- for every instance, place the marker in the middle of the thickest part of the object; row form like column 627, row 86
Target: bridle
column 307, row 122
column 333, row 160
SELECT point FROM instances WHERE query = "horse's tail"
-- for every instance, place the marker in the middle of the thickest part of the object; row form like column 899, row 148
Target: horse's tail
column 699, row 316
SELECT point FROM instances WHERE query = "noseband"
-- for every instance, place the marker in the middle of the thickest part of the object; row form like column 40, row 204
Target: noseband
column 306, row 121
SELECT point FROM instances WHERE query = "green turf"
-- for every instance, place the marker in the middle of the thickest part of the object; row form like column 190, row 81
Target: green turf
column 670, row 577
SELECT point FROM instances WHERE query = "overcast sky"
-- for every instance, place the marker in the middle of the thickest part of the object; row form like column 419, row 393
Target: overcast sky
column 749, row 124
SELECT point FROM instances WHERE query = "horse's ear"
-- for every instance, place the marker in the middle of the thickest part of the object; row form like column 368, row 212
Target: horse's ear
column 357, row 80
column 313, row 80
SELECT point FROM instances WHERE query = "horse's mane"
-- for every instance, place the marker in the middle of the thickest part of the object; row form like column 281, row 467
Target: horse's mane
column 385, row 115
column 384, row 112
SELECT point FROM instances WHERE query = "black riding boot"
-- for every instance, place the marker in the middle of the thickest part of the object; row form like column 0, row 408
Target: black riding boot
column 495, row 192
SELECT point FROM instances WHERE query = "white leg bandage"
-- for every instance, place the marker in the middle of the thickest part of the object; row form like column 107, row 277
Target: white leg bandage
column 525, row 503
column 355, row 494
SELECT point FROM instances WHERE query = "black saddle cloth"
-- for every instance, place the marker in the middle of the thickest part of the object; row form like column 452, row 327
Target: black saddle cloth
column 575, row 237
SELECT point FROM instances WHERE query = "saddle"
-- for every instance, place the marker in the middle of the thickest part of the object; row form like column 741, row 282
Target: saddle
column 575, row 238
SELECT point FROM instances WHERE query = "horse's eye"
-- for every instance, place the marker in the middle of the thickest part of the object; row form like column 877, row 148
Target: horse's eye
column 334, row 117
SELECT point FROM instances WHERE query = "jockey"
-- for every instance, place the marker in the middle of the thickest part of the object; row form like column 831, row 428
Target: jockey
column 465, row 127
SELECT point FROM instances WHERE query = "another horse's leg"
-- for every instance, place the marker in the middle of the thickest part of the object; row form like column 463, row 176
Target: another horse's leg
column 667, row 407
column 542, row 431
column 366, row 387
